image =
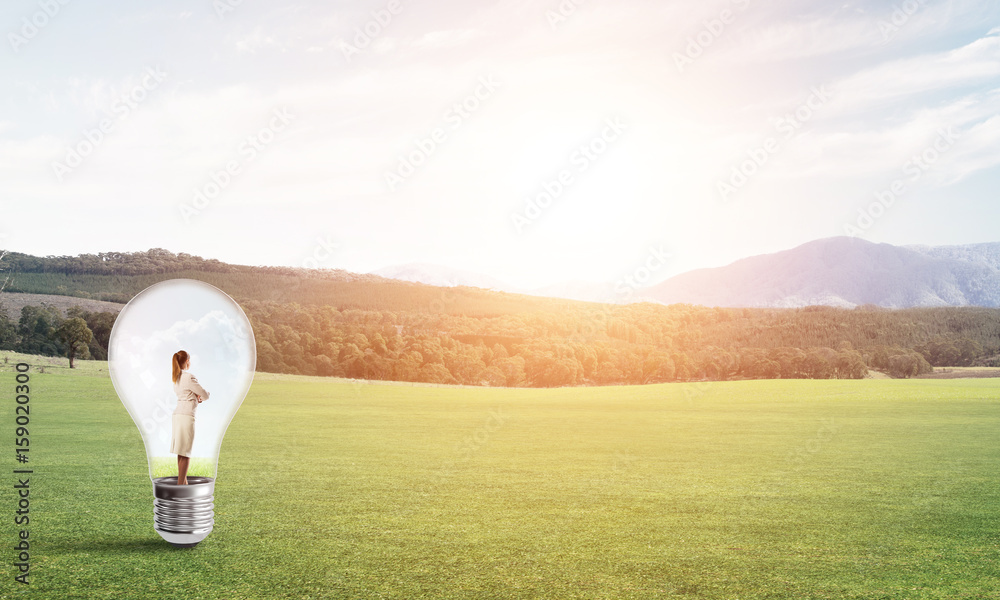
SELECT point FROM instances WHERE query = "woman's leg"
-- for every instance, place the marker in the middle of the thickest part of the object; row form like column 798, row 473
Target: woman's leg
column 182, row 469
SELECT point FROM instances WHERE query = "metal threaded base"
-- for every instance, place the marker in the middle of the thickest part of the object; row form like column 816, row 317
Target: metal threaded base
column 183, row 514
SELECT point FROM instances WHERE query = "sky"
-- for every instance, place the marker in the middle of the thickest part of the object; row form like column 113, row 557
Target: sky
column 534, row 142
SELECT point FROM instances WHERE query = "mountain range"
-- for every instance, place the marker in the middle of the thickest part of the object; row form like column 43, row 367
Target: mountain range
column 838, row 271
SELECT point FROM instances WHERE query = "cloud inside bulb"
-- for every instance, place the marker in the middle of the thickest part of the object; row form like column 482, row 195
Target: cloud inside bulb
column 215, row 359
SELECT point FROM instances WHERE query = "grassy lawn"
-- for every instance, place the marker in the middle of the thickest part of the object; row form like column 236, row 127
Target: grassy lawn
column 331, row 489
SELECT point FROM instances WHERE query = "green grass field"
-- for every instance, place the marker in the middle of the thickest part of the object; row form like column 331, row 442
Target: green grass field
column 328, row 489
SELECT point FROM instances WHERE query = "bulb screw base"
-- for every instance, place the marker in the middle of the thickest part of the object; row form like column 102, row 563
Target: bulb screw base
column 183, row 514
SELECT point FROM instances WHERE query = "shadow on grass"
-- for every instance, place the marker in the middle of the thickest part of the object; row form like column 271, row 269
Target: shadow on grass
column 131, row 545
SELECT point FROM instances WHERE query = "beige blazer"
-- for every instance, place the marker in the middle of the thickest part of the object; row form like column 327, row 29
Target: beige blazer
column 188, row 391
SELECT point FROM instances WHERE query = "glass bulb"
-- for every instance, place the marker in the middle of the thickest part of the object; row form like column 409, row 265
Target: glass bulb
column 199, row 318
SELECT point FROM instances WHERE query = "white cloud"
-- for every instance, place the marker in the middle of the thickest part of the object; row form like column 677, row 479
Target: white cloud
column 836, row 153
column 780, row 36
column 978, row 149
column 257, row 40
column 789, row 40
column 902, row 80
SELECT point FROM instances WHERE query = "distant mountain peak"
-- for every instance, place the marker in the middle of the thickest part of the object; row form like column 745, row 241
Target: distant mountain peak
column 847, row 272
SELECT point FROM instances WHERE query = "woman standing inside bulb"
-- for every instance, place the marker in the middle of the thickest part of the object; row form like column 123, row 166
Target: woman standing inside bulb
column 189, row 395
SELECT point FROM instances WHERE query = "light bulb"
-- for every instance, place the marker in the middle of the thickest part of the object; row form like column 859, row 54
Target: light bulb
column 194, row 316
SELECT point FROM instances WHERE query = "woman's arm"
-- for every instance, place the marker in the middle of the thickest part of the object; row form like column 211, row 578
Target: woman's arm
column 199, row 391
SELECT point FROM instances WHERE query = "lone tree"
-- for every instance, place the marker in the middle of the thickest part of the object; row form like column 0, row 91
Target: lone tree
column 75, row 334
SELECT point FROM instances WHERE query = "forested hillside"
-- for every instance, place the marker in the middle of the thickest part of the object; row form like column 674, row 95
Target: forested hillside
column 334, row 323
column 118, row 276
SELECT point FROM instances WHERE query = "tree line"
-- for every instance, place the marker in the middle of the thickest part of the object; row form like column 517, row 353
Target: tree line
column 592, row 345
column 335, row 323
column 44, row 330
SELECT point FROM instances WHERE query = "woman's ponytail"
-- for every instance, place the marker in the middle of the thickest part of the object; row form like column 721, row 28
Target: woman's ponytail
column 178, row 361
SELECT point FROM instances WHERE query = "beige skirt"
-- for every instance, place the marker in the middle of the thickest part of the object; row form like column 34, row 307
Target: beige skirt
column 182, row 435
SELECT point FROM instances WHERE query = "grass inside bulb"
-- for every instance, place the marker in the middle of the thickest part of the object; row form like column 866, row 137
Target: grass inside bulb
column 212, row 329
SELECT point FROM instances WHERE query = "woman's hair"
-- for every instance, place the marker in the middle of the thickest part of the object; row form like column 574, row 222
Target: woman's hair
column 179, row 359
